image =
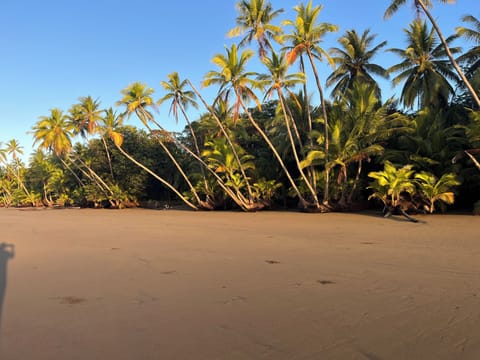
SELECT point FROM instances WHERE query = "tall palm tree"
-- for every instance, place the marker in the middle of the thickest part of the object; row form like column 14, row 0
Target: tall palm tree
column 278, row 80
column 255, row 18
column 354, row 62
column 424, row 68
column 306, row 37
column 54, row 133
column 137, row 99
column 86, row 115
column 233, row 78
column 472, row 57
column 14, row 149
column 424, row 6
column 181, row 99
column 110, row 123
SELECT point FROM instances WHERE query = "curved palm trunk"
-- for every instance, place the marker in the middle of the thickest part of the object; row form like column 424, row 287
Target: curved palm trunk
column 175, row 162
column 224, row 132
column 275, row 152
column 294, row 150
column 236, row 196
column 325, row 118
column 109, row 158
column 449, row 53
column 163, row 181
column 197, row 148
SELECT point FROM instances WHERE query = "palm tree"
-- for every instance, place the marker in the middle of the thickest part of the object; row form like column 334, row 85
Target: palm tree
column 232, row 77
column 305, row 38
column 472, row 56
column 110, row 122
column 278, row 80
column 424, row 6
column 424, row 69
column 137, row 98
column 359, row 127
column 389, row 184
column 54, row 132
column 255, row 19
column 86, row 116
column 354, row 62
column 181, row 99
column 14, row 149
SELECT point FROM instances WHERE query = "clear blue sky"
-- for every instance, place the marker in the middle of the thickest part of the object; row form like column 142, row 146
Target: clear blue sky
column 54, row 51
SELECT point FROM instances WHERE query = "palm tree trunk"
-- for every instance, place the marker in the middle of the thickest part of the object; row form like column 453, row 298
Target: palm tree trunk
column 275, row 152
column 224, row 132
column 174, row 161
column 325, row 119
column 197, row 148
column 306, row 101
column 109, row 158
column 163, row 181
column 243, row 203
column 449, row 53
column 294, row 150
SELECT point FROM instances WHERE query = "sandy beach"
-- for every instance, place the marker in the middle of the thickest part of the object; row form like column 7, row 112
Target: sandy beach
column 169, row 284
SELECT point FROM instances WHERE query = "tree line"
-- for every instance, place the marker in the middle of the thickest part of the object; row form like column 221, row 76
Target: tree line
column 269, row 140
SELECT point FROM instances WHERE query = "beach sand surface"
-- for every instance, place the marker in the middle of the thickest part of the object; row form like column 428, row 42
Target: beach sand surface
column 170, row 284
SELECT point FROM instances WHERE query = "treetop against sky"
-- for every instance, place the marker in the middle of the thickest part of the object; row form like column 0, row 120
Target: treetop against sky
column 53, row 53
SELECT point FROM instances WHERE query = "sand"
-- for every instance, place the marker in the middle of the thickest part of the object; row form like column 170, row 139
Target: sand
column 169, row 284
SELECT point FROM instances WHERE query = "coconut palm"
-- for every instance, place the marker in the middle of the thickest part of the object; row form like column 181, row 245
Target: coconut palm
column 255, row 19
column 233, row 78
column 277, row 81
column 110, row 123
column 86, row 115
column 424, row 70
column 354, row 62
column 306, row 37
column 137, row 99
column 424, row 6
column 472, row 57
column 359, row 127
column 181, row 99
column 53, row 133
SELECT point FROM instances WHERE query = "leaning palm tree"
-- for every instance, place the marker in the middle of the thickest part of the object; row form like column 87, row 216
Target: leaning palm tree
column 424, row 6
column 54, row 134
column 14, row 149
column 472, row 57
column 233, row 78
column 424, row 70
column 180, row 100
column 86, row 115
column 255, row 19
column 354, row 62
column 306, row 37
column 277, row 81
column 109, row 125
column 137, row 99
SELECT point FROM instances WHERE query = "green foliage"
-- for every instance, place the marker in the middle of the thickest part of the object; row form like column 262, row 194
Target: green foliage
column 435, row 190
column 391, row 182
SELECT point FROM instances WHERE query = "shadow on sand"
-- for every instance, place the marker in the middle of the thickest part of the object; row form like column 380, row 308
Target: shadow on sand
column 7, row 252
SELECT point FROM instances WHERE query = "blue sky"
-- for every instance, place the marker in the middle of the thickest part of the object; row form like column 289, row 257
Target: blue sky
column 54, row 51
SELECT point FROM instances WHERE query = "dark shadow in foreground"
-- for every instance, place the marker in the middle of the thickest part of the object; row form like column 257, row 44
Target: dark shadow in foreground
column 7, row 252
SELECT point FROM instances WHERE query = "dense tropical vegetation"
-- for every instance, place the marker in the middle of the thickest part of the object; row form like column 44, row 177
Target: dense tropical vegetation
column 275, row 138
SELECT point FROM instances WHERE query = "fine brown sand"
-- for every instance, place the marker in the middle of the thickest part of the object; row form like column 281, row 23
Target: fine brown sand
column 169, row 284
